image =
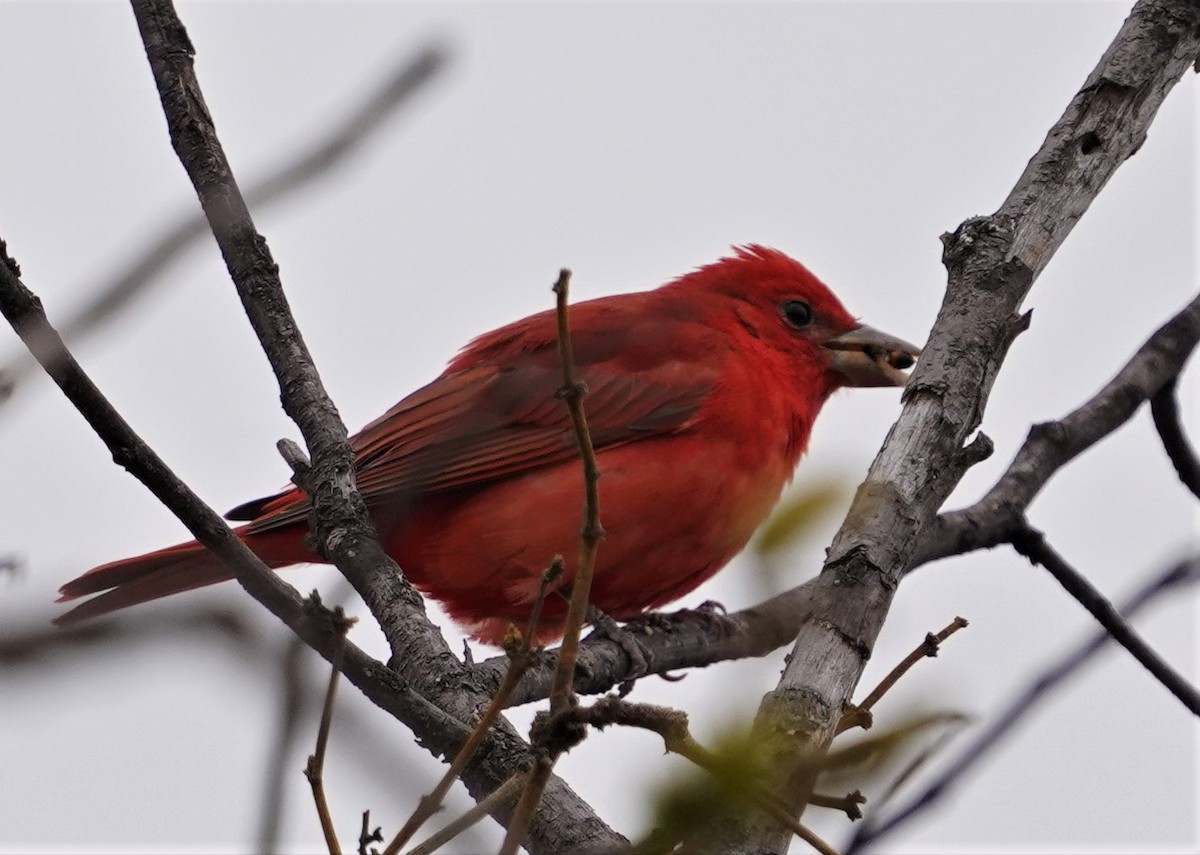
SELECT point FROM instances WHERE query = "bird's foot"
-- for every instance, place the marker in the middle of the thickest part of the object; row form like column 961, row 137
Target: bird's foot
column 709, row 612
column 641, row 660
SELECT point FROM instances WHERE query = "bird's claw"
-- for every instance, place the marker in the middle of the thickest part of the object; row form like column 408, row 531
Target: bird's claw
column 641, row 660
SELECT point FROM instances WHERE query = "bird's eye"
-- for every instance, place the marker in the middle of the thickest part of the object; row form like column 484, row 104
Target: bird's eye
column 797, row 313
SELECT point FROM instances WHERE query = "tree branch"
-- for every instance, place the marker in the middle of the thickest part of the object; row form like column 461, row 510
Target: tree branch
column 685, row 639
column 320, row 157
column 437, row 717
column 341, row 528
column 1164, row 407
column 1185, row 573
column 992, row 263
column 1051, row 445
column 1032, row 544
column 425, row 694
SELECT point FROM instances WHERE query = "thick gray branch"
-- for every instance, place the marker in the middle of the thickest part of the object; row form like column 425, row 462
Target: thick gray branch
column 992, row 263
column 424, row 665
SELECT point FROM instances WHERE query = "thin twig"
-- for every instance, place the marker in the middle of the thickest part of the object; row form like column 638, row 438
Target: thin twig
column 1184, row 573
column 1033, row 545
column 295, row 686
column 319, row 157
column 1164, row 407
column 519, row 661
column 561, row 693
column 367, row 835
column 592, row 532
column 292, row 707
column 850, row 804
column 859, row 715
column 315, row 767
column 495, row 800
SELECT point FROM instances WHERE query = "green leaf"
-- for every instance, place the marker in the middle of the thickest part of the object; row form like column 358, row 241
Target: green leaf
column 798, row 512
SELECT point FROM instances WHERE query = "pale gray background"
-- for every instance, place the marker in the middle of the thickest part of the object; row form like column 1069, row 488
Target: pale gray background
column 631, row 142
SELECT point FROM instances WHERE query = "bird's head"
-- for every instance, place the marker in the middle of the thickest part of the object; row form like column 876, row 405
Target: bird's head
column 775, row 299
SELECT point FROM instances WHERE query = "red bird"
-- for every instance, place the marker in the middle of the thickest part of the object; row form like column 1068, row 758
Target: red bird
column 701, row 398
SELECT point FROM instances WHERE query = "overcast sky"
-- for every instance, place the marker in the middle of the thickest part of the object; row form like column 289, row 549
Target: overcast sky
column 631, row 142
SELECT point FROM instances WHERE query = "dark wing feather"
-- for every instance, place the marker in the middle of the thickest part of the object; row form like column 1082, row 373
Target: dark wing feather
column 488, row 421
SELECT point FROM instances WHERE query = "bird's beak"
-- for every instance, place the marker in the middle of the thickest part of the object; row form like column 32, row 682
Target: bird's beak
column 868, row 357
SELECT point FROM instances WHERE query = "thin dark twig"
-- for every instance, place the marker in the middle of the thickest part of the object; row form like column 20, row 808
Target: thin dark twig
column 295, row 686
column 315, row 768
column 859, row 715
column 292, row 708
column 503, row 794
column 367, row 835
column 430, row 804
column 591, row 533
column 850, row 804
column 1033, row 545
column 1164, row 407
column 1184, row 573
column 327, row 150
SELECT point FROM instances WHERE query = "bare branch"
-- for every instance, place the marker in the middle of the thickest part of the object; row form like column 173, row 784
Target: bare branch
column 1032, row 544
column 591, row 533
column 341, row 528
column 873, row 829
column 992, row 263
column 860, row 715
column 1051, row 445
column 1164, row 407
column 314, row 770
column 320, row 157
column 505, row 793
column 518, row 662
column 685, row 639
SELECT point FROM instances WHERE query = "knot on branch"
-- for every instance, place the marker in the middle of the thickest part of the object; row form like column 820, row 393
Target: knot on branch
column 573, row 391
column 978, row 235
column 558, row 732
column 8, row 261
column 977, row 450
column 335, row 620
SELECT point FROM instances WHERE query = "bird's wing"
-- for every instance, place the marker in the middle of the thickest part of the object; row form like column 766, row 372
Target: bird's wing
column 502, row 416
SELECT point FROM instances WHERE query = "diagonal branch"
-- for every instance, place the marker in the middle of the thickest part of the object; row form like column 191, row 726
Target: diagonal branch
column 342, row 530
column 1164, row 407
column 1051, row 445
column 317, row 159
column 992, row 263
column 436, row 708
column 437, row 716
column 1032, row 544
column 1185, row 573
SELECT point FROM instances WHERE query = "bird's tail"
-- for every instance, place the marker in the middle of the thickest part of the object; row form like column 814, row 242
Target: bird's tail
column 182, row 567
